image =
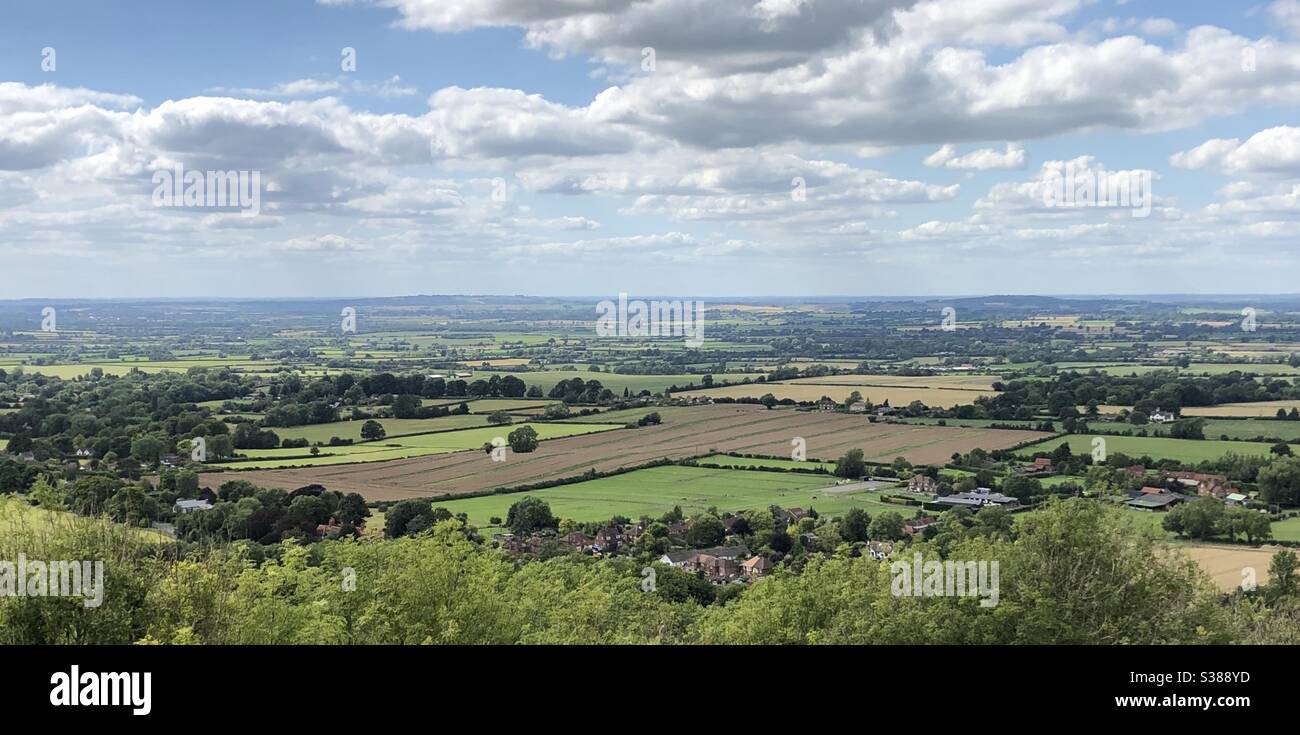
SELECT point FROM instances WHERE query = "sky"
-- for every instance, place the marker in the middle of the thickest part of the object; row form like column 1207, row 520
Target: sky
column 694, row 147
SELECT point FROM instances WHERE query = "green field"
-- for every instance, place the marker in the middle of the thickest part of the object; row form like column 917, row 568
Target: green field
column 518, row 405
column 393, row 427
column 1183, row 450
column 616, row 382
column 726, row 460
column 1287, row 530
column 1215, row 428
column 418, row 445
column 656, row 490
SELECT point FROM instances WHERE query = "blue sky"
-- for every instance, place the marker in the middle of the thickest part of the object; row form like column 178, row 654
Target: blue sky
column 511, row 146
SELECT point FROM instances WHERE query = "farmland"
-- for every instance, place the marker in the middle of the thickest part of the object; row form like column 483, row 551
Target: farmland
column 1183, row 450
column 686, row 433
column 416, row 445
column 656, row 490
column 898, row 395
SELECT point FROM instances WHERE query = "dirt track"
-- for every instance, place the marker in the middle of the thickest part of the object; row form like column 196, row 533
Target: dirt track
column 685, row 433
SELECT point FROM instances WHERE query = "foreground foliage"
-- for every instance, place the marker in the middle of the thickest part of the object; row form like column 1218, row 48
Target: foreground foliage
column 1074, row 573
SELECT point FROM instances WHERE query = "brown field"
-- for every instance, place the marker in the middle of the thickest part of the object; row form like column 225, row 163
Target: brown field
column 1266, row 409
column 685, row 433
column 810, row 391
column 1224, row 562
column 969, row 381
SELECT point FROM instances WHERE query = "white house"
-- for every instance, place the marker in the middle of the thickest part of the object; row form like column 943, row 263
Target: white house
column 189, row 506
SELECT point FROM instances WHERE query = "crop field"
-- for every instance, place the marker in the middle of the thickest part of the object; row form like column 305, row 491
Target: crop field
column 654, row 491
column 969, row 381
column 689, row 432
column 896, row 395
column 392, row 427
column 1183, row 450
column 417, row 445
column 1259, row 409
column 1225, row 562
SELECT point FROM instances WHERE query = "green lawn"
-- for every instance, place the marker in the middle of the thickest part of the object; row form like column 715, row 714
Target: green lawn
column 16, row 513
column 403, row 447
column 656, row 490
column 1288, row 530
column 1183, row 450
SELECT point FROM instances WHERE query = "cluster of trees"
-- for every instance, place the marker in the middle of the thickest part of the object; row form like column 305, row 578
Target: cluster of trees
column 1207, row 517
column 439, row 586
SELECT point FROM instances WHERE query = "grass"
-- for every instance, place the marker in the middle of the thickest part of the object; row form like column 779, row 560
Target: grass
column 1216, row 428
column 1182, row 450
column 393, row 427
column 656, row 490
column 1287, row 530
column 726, row 460
column 403, row 447
column 16, row 513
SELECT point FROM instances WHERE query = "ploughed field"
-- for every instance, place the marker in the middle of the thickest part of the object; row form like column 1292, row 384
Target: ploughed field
column 685, row 432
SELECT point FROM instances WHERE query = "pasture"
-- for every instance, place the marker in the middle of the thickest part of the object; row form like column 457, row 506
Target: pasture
column 1183, row 450
column 654, row 491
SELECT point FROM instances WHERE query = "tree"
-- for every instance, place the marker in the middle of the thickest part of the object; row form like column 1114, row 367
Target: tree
column 530, row 515
column 1282, row 572
column 855, row 525
column 499, row 418
column 1279, row 481
column 1281, row 449
column 1201, row 518
column 523, row 439
column 372, row 430
column 851, row 464
column 887, row 526
column 399, row 517
column 352, row 510
column 706, row 531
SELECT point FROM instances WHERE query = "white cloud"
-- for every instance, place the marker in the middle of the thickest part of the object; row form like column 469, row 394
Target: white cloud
column 983, row 159
column 1272, row 151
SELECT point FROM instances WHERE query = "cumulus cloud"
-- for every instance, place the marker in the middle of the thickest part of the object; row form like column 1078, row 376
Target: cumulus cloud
column 983, row 159
column 1272, row 151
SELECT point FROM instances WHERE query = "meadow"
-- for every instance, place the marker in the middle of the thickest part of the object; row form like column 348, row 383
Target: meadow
column 417, row 445
column 896, row 395
column 654, row 491
column 1183, row 450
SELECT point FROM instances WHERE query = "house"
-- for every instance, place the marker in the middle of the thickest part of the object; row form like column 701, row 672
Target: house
column 189, row 506
column 1162, row 417
column 1149, row 490
column 1236, row 499
column 978, row 498
column 1039, row 465
column 756, row 566
column 826, row 404
column 1137, row 470
column 923, row 484
column 716, row 569
column 679, row 558
column 880, row 549
column 608, row 539
column 917, row 525
column 884, row 409
column 700, row 401
column 462, row 376
column 1216, row 485
column 1155, row 503
column 577, row 541
column 858, row 407
column 171, row 460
